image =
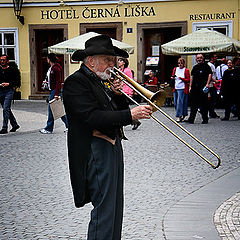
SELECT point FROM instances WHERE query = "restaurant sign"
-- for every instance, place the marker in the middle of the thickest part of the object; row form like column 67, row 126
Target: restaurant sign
column 212, row 16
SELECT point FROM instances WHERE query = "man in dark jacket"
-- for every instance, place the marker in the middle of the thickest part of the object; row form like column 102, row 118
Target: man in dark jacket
column 201, row 76
column 96, row 115
column 9, row 79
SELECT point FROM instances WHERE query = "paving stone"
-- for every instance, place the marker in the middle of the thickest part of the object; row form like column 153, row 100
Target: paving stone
column 36, row 198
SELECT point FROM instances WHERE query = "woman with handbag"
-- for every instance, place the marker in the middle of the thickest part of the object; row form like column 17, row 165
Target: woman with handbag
column 55, row 84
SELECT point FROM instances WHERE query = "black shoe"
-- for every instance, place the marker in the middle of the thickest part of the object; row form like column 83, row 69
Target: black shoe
column 224, row 119
column 204, row 122
column 136, row 125
column 3, row 131
column 14, row 129
column 214, row 116
column 189, row 121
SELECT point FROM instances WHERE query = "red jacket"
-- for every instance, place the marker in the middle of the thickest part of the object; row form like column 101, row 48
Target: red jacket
column 186, row 80
column 151, row 81
column 56, row 78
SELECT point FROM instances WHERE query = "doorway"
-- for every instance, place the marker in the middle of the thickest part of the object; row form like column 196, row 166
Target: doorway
column 150, row 38
column 44, row 39
column 43, row 36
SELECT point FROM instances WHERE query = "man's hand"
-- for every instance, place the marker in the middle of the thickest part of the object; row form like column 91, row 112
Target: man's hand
column 117, row 85
column 140, row 112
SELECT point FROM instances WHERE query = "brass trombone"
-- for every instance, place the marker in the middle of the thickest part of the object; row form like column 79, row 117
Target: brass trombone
column 157, row 99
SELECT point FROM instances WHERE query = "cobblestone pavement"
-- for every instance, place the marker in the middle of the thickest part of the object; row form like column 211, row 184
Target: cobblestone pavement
column 36, row 199
column 227, row 218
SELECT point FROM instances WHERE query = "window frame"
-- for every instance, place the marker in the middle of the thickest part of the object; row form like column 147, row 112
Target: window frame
column 227, row 24
column 15, row 45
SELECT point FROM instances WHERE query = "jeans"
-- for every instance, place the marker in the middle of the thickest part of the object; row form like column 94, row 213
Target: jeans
column 50, row 121
column 6, row 97
column 180, row 103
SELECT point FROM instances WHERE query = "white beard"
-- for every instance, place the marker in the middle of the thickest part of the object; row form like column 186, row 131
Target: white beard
column 104, row 75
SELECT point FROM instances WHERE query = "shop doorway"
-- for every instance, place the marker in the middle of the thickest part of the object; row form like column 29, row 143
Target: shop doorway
column 44, row 39
column 150, row 38
column 41, row 37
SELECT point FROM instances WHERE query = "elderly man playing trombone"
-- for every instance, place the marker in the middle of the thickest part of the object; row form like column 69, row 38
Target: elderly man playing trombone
column 96, row 115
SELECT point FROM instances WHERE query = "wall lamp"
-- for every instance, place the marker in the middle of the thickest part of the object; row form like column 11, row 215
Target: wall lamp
column 17, row 10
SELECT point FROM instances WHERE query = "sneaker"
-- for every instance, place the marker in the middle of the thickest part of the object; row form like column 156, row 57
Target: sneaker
column 3, row 131
column 178, row 119
column 14, row 129
column 189, row 121
column 44, row 131
column 182, row 118
column 135, row 126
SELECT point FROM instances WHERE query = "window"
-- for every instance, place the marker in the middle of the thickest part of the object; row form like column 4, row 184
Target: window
column 8, row 44
column 222, row 27
column 225, row 27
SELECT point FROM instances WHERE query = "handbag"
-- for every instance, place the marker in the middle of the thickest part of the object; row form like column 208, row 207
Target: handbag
column 57, row 108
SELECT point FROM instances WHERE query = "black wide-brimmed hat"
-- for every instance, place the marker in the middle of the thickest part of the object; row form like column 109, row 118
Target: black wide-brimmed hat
column 99, row 45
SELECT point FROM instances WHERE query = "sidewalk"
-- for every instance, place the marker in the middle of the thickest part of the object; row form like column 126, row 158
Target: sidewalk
column 214, row 206
column 210, row 213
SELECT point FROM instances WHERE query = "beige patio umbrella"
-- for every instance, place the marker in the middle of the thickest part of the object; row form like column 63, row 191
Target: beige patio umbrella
column 78, row 43
column 202, row 41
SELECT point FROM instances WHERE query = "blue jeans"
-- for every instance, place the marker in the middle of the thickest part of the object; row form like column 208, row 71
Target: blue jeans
column 181, row 103
column 6, row 97
column 50, row 121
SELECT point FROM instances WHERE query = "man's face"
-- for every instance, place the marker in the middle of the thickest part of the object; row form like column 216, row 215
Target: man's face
column 199, row 58
column 102, row 65
column 214, row 57
column 4, row 61
column 229, row 64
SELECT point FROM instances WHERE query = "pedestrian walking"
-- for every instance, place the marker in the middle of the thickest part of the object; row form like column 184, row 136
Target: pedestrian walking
column 9, row 80
column 55, row 84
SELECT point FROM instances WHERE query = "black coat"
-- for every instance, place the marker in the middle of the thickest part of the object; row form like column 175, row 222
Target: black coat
column 89, row 106
column 230, row 84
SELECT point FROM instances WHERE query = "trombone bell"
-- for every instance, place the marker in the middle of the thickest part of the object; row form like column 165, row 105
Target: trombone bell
column 158, row 98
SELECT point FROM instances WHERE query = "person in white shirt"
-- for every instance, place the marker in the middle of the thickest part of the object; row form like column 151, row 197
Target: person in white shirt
column 212, row 89
column 219, row 73
column 181, row 77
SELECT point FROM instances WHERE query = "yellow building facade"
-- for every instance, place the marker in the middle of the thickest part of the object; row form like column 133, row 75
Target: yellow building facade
column 146, row 25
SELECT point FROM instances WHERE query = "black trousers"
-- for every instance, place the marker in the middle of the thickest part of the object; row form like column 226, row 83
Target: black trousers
column 105, row 183
column 199, row 100
column 229, row 100
column 212, row 102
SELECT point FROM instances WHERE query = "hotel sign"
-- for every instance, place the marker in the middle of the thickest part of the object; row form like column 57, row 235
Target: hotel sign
column 98, row 13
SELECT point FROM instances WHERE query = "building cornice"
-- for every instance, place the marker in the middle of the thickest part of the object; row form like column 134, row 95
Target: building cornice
column 83, row 3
